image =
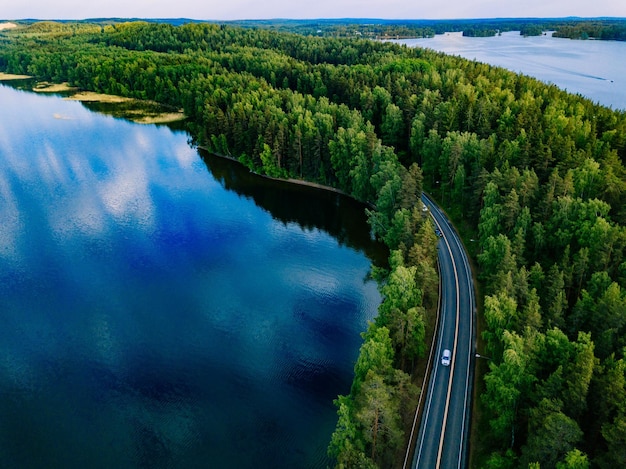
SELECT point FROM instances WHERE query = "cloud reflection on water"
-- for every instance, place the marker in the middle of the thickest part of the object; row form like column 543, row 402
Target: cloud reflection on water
column 150, row 307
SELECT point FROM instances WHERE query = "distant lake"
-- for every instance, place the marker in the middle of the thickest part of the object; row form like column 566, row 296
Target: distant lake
column 163, row 308
column 594, row 69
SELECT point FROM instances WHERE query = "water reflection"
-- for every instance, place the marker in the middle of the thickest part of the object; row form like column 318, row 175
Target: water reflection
column 306, row 206
column 152, row 315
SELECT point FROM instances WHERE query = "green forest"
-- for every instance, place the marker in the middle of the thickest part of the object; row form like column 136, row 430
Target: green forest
column 534, row 174
column 613, row 29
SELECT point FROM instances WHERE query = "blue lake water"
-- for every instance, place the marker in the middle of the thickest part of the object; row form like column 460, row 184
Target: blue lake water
column 162, row 308
column 594, row 69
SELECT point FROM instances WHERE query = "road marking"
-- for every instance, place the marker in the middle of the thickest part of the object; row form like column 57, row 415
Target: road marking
column 431, row 385
column 456, row 338
column 430, row 399
column 464, row 263
column 470, row 344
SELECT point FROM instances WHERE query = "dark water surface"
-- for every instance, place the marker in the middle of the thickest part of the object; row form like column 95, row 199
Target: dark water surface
column 160, row 308
column 594, row 69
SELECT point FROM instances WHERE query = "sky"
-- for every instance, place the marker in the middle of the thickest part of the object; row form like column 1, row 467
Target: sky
column 264, row 9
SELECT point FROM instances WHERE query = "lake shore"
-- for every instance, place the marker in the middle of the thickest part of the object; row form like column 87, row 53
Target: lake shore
column 93, row 97
column 11, row 76
column 138, row 114
column 594, row 69
column 271, row 285
column 144, row 112
column 141, row 112
column 45, row 87
column 298, row 182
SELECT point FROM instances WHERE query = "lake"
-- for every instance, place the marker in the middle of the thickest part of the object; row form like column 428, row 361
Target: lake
column 594, row 69
column 166, row 308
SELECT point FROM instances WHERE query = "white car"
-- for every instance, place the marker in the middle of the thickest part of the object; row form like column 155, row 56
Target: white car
column 445, row 357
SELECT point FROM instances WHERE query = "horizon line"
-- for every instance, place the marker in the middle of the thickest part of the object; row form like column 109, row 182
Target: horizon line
column 342, row 19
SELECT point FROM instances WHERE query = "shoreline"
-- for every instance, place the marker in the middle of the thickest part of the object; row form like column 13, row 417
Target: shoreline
column 137, row 115
column 140, row 117
column 93, row 97
column 11, row 76
column 45, row 87
column 297, row 182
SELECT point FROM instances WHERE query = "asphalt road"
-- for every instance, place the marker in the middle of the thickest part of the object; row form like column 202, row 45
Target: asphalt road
column 442, row 440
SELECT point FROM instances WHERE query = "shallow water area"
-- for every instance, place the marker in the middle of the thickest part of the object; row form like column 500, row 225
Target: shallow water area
column 164, row 309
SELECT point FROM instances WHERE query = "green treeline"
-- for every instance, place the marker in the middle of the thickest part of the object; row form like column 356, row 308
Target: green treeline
column 479, row 32
column 532, row 30
column 536, row 175
column 608, row 30
column 573, row 28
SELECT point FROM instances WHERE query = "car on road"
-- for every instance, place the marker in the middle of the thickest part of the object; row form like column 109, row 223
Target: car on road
column 445, row 357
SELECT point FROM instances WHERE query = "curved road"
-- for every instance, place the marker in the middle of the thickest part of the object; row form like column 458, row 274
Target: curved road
column 442, row 439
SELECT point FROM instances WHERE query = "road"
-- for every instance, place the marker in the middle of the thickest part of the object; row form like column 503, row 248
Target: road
column 442, row 440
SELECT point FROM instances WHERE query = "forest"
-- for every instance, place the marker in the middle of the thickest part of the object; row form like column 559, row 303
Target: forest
column 607, row 30
column 534, row 174
column 573, row 28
